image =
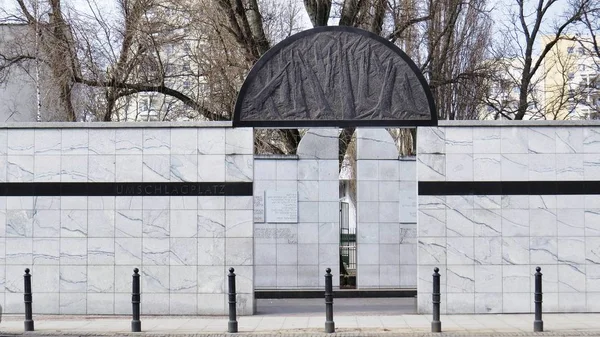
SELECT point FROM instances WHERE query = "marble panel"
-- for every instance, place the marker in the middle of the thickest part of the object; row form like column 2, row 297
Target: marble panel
column 47, row 169
column 47, row 141
column 286, row 169
column 156, row 251
column 266, row 169
column 308, row 253
column 368, row 276
column 591, row 166
column 367, row 211
column 211, row 141
column 128, row 168
column 432, row 251
column 461, row 279
column 308, row 276
column 542, row 167
column 287, row 254
column 460, row 250
column 46, row 303
column 571, row 277
column 389, row 276
column 265, row 254
column 593, row 302
column 459, row 140
column 156, row 168
column 101, row 251
column 287, row 276
column 515, row 250
column 72, row 303
column 515, row 167
column 46, row 251
column 487, row 222
column 100, row 304
column 264, row 277
column 211, row 223
column 329, row 255
column 211, row 251
column 592, row 251
column 155, row 202
column 543, row 250
column 366, row 170
column 308, row 211
column 101, row 279
column 155, row 279
column 592, row 222
column 73, row 279
column 73, row 223
column 591, row 140
column 183, row 203
column 432, row 223
column 211, row 202
column 459, row 222
column 19, row 168
column 572, row 302
column 408, row 276
column 408, row 253
column 515, row 201
column 329, row 169
column 183, row 279
column 184, row 251
column 569, row 167
column 368, row 233
column 102, row 168
column 155, row 304
column 487, row 167
column 129, row 203
column 308, row 232
column 431, row 167
column 128, row 251
column 389, row 254
column 157, row 141
column 74, row 168
column 389, row 170
column 184, row 168
column 39, row 203
column 44, row 278
column 542, row 222
column 388, row 212
column 432, row 202
column 569, row 140
column 572, row 250
column 3, row 142
column 3, row 168
column 238, row 167
column 375, row 143
column 514, row 140
column 592, row 277
column 75, row 141
column 101, row 223
column 155, row 223
column 488, row 279
column 211, row 304
column 128, row 223
column 488, row 250
column 549, row 278
column 516, row 279
column 515, row 222
column 431, row 140
column 308, row 190
column 459, row 167
column 19, row 223
column 238, row 251
column 329, row 232
column 20, row 142
column 73, row 251
column 239, row 141
column 389, row 233
column 460, row 303
column 541, row 140
column 211, row 280
column 307, row 170
column 488, row 303
column 238, row 223
column 239, row 202
column 19, row 251
column 129, row 141
column 329, row 190
column 102, row 141
column 183, row 304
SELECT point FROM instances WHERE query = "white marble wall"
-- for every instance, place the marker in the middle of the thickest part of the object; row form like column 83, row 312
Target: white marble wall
column 386, row 229
column 487, row 246
column 295, row 255
column 82, row 250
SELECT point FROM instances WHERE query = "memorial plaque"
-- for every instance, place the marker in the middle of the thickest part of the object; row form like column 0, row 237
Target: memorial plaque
column 282, row 206
column 259, row 208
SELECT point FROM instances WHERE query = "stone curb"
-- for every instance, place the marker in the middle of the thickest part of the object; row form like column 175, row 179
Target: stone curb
column 312, row 333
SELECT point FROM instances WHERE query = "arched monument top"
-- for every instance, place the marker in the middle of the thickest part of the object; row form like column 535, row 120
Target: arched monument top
column 334, row 76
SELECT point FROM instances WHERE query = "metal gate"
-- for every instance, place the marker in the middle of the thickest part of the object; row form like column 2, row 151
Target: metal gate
column 347, row 248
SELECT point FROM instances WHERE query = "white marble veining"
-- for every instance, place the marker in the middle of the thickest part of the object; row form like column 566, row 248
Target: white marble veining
column 75, row 142
column 20, row 142
column 102, row 142
column 156, row 141
column 128, row 141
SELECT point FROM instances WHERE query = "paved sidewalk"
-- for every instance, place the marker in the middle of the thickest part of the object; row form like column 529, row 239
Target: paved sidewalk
column 416, row 325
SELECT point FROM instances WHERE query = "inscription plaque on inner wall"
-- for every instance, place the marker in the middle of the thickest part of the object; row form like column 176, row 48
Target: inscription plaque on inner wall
column 281, row 206
column 259, row 208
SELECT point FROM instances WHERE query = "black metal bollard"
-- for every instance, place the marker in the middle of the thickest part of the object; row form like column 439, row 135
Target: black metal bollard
column 28, row 300
column 232, row 325
column 329, row 324
column 538, row 324
column 436, row 325
column 136, row 324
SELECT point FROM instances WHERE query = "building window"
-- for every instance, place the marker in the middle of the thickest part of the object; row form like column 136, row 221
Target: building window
column 186, row 85
column 186, row 66
column 571, row 76
column 580, row 50
column 570, row 50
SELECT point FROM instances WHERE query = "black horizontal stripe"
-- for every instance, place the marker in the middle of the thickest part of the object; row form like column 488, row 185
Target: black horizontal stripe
column 126, row 189
column 509, row 187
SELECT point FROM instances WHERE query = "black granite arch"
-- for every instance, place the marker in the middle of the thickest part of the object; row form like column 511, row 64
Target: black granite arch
column 334, row 76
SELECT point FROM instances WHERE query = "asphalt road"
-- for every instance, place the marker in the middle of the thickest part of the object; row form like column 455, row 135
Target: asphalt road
column 341, row 306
